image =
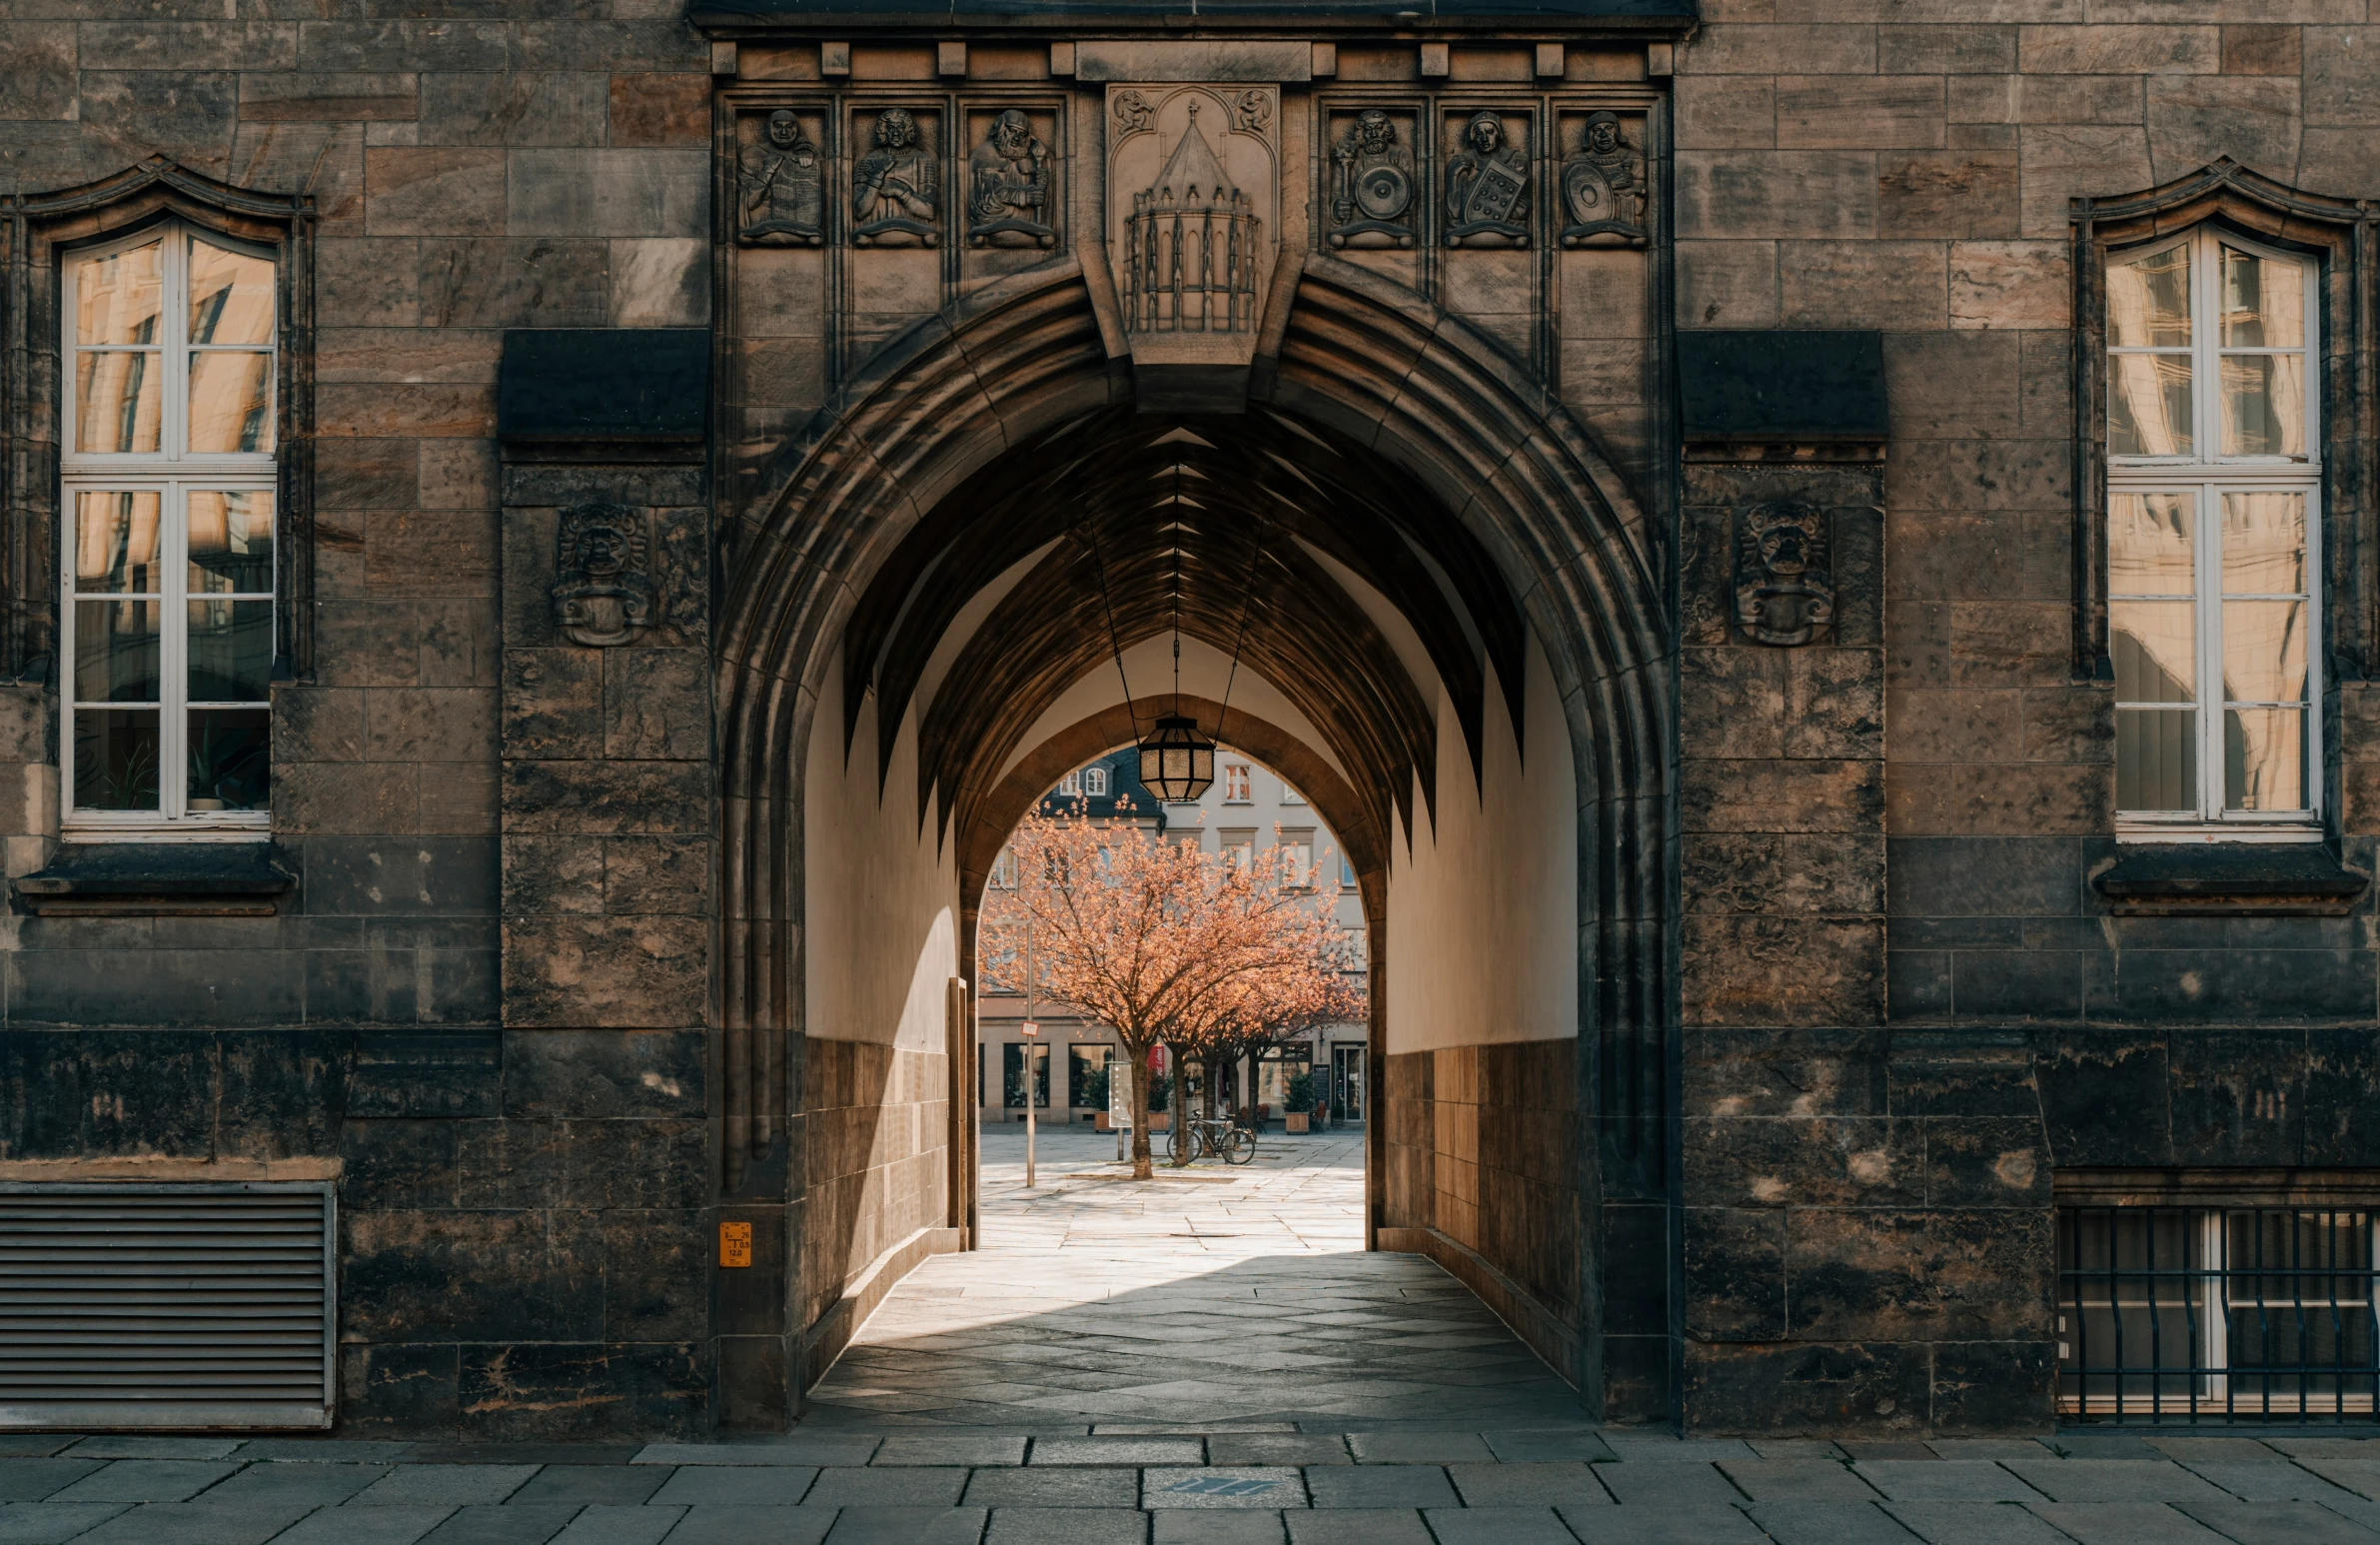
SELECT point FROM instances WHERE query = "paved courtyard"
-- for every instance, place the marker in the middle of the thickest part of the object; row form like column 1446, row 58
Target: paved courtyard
column 1211, row 1295
column 1191, row 1361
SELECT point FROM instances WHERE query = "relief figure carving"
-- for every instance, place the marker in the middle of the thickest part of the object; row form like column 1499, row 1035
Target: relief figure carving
column 1134, row 112
column 781, row 188
column 1785, row 575
column 1256, row 110
column 603, row 594
column 1372, row 184
column 1008, row 187
column 1602, row 188
column 892, row 187
column 1486, row 186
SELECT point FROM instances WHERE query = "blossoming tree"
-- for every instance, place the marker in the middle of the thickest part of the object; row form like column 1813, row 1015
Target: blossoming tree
column 1167, row 943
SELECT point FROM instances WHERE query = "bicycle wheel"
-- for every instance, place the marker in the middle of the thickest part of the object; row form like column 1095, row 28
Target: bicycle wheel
column 1173, row 1145
column 1239, row 1146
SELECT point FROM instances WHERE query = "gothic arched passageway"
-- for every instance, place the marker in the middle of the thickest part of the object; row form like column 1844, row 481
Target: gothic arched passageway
column 1398, row 602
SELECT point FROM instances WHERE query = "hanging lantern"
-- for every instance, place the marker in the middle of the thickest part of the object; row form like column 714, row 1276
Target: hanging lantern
column 1177, row 764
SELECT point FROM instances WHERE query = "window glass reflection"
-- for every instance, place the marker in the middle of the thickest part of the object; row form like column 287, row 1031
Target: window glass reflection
column 2264, row 405
column 230, row 296
column 2150, row 405
column 115, row 760
column 116, row 657
column 2264, row 760
column 2148, row 300
column 228, row 759
column 2156, row 649
column 118, row 297
column 2152, row 543
column 2264, row 543
column 230, row 541
column 2156, row 759
column 2264, row 302
column 231, row 650
column 119, row 403
column 231, row 402
column 116, row 542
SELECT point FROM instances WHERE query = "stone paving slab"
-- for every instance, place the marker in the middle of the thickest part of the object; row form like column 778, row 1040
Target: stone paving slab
column 1067, row 1526
column 1547, row 1484
column 907, row 1526
column 52, row 1523
column 1797, row 1480
column 1945, row 1480
column 373, row 1526
column 1382, row 1485
column 450, row 1485
column 1684, row 1524
column 1959, row 1523
column 1254, row 1527
column 2127, row 1523
column 2299, row 1523
column 780, row 1485
column 734, row 1524
column 1055, row 1487
column 31, row 1480
column 194, row 1523
column 1222, row 1486
column 1828, row 1523
column 1498, row 1526
column 519, row 1523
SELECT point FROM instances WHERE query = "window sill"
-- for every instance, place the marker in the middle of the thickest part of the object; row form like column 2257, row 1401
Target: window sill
column 2228, row 880
column 2195, row 835
column 160, row 879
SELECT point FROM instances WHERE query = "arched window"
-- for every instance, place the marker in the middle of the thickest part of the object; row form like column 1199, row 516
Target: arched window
column 168, row 528
column 2214, row 486
column 1094, row 782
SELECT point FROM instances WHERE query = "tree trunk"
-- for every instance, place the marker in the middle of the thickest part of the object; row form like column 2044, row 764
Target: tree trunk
column 1142, row 1169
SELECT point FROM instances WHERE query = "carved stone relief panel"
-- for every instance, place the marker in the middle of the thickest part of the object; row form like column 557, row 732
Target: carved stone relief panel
column 1011, row 182
column 896, row 179
column 1374, row 183
column 1605, row 188
column 1193, row 198
column 781, row 179
column 1785, row 573
column 603, row 592
column 1487, row 179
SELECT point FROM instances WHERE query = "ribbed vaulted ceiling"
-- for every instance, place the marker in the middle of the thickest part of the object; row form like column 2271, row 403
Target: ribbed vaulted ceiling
column 1212, row 523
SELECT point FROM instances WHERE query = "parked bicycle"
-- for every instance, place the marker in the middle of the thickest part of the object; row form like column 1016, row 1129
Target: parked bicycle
column 1232, row 1143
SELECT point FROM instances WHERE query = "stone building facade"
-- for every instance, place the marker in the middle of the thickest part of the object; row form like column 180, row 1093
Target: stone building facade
column 547, row 544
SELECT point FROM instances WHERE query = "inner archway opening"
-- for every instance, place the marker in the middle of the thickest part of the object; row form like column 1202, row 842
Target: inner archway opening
column 1354, row 646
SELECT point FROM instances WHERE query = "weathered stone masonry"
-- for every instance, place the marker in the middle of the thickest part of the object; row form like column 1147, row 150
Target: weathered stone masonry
column 1728, row 377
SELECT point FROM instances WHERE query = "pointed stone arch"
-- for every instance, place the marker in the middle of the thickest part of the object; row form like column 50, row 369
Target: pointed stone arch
column 1439, row 404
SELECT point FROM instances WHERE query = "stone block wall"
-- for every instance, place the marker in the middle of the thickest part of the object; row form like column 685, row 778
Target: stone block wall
column 1482, row 1175
column 876, row 1138
column 1868, row 1190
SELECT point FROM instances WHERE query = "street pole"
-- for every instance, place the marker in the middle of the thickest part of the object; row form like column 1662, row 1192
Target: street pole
column 1032, row 1052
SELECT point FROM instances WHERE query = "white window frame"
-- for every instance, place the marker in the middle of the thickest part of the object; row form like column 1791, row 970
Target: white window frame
column 173, row 476
column 2207, row 477
column 1094, row 782
column 1239, row 775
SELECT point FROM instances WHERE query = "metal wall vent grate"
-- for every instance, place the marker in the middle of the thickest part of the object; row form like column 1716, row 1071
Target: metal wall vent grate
column 165, row 1305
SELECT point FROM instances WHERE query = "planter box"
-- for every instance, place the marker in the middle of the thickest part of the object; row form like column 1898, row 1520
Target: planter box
column 1099, row 1122
column 1160, row 1123
column 1295, row 1122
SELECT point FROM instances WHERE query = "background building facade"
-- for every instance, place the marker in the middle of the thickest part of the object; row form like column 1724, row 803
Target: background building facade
column 1816, row 556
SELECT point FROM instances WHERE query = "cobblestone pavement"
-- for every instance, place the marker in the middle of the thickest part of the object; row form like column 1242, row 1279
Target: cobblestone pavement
column 981, row 1452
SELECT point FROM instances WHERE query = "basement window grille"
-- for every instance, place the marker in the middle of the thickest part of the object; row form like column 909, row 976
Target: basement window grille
column 2184, row 1314
column 154, row 1306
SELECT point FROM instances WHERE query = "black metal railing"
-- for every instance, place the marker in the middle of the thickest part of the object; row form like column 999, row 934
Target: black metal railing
column 2182, row 1314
